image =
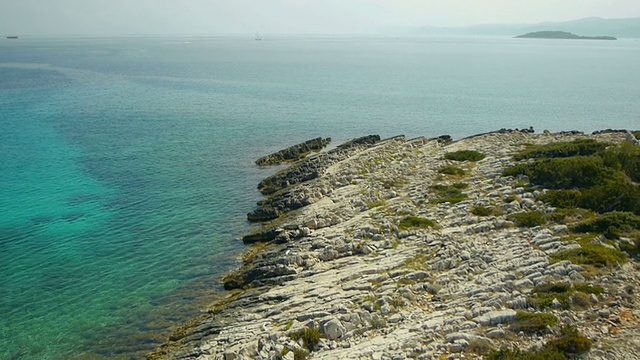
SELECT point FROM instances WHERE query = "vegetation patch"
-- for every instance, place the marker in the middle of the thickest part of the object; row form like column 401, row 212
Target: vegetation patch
column 486, row 211
column 612, row 224
column 415, row 222
column 451, row 170
column 310, row 337
column 567, row 345
column 588, row 288
column 465, row 155
column 376, row 203
column 533, row 323
column 595, row 255
column 582, row 147
column 604, row 180
column 563, row 173
column 636, row 134
column 528, row 219
column 449, row 193
column 542, row 296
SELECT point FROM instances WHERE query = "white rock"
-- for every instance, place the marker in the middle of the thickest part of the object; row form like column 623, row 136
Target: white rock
column 333, row 329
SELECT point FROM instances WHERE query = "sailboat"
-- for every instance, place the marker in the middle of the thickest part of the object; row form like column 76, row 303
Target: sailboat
column 258, row 37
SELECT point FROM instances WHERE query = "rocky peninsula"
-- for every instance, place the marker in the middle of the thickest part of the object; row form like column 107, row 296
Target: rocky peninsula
column 426, row 249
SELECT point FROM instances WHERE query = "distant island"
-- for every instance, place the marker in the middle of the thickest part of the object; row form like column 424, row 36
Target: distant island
column 562, row 35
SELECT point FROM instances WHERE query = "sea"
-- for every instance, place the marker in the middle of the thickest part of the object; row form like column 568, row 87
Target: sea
column 127, row 164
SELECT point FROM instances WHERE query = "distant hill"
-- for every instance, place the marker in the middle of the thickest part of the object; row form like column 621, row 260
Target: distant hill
column 593, row 26
column 561, row 35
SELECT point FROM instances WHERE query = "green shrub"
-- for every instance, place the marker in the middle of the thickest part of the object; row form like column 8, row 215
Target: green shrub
column 482, row 211
column 451, row 170
column 588, row 289
column 581, row 147
column 528, row 219
column 460, row 185
column 465, row 155
column 567, row 216
column 624, row 157
column 532, row 323
column 414, row 221
column 613, row 223
column 636, row 134
column 545, row 353
column 542, row 296
column 571, row 342
column 614, row 194
column 562, row 198
column 563, row 173
column 448, row 193
column 595, row 255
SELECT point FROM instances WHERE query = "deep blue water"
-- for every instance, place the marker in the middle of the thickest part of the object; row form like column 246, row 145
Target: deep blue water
column 126, row 164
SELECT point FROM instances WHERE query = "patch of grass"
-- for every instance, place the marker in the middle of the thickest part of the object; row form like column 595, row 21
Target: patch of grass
column 562, row 198
column 528, row 219
column 451, row 170
column 569, row 216
column 580, row 300
column 465, row 155
column 567, row 345
column 588, row 288
column 579, row 147
column 460, row 185
column 595, row 255
column 510, row 198
column 310, row 337
column 486, row 211
column 300, row 354
column 415, row 222
column 376, row 203
column 542, row 296
column 533, row 323
column 448, row 193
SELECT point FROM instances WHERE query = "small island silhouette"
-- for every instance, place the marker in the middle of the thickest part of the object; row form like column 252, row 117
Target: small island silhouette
column 562, row 35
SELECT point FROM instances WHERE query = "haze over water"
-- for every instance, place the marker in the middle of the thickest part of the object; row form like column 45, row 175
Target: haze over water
column 126, row 165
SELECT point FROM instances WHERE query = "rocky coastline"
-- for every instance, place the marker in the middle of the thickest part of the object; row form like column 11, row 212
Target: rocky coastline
column 363, row 253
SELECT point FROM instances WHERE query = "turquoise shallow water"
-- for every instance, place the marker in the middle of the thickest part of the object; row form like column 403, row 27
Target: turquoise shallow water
column 126, row 164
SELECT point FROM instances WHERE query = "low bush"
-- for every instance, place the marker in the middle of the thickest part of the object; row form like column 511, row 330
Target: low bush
column 415, row 222
column 482, row 211
column 563, row 173
column 636, row 134
column 588, row 288
column 533, row 323
column 624, row 157
column 613, row 224
column 542, row 296
column 528, row 219
column 567, row 345
column 595, row 255
column 579, row 147
column 562, row 198
column 465, row 155
column 448, row 193
column 451, row 170
column 571, row 342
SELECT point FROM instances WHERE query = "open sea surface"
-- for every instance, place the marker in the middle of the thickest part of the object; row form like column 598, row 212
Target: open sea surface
column 126, row 164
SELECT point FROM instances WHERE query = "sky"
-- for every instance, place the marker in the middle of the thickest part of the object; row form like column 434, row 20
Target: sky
column 122, row 17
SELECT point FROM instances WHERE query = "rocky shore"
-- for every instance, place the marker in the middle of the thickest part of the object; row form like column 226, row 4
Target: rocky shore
column 364, row 257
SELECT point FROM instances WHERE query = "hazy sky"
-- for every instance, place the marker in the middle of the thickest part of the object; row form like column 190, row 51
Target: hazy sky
column 54, row 17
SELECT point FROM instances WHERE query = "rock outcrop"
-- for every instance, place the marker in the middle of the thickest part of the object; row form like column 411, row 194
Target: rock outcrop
column 295, row 152
column 342, row 267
